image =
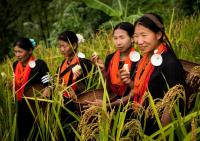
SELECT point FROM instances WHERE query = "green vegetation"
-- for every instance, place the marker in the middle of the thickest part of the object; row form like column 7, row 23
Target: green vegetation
column 102, row 123
column 44, row 20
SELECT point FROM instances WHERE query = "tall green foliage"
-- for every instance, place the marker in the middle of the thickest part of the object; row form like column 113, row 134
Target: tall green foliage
column 75, row 16
column 108, row 125
column 118, row 11
column 185, row 38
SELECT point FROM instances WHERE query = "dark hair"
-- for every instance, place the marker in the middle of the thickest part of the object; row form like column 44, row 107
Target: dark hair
column 69, row 37
column 126, row 26
column 154, row 22
column 24, row 43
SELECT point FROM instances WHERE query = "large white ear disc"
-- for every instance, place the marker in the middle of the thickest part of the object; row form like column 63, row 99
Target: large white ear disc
column 134, row 56
column 156, row 59
column 32, row 64
column 81, row 55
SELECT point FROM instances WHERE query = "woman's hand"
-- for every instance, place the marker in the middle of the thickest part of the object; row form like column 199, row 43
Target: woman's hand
column 125, row 77
column 47, row 92
column 76, row 70
column 98, row 61
column 97, row 102
column 76, row 74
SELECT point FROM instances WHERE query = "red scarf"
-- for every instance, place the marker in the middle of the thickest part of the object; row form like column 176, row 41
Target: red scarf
column 116, row 85
column 143, row 74
column 21, row 77
column 65, row 78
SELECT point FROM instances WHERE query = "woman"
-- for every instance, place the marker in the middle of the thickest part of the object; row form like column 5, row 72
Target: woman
column 74, row 67
column 29, row 72
column 119, row 66
column 73, row 74
column 159, row 67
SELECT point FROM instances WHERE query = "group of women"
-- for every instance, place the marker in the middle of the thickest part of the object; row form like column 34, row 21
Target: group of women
column 128, row 74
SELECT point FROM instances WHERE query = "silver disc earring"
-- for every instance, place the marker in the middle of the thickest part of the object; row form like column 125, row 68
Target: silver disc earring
column 156, row 59
column 134, row 56
column 32, row 64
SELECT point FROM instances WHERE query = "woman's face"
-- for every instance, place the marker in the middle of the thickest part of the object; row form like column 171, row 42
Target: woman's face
column 146, row 39
column 66, row 49
column 122, row 40
column 21, row 54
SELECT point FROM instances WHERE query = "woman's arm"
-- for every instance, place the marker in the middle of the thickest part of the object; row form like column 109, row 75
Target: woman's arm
column 122, row 101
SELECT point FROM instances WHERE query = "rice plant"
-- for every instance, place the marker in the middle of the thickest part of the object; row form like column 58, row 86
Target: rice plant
column 105, row 123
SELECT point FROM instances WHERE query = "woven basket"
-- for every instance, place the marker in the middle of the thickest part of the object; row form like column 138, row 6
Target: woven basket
column 90, row 96
column 35, row 90
column 187, row 65
column 193, row 76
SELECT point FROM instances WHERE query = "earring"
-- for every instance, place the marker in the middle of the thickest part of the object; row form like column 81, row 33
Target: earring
column 156, row 59
column 134, row 56
column 32, row 64
column 81, row 55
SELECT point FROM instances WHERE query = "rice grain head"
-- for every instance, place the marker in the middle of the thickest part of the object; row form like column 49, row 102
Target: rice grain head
column 167, row 103
column 138, row 109
column 133, row 129
column 191, row 99
column 88, row 124
column 194, row 72
column 90, row 112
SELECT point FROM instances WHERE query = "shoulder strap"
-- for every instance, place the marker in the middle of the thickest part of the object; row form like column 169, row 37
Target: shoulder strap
column 14, row 65
column 108, row 59
column 67, row 69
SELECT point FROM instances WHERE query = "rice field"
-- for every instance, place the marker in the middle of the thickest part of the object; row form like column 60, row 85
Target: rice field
column 103, row 123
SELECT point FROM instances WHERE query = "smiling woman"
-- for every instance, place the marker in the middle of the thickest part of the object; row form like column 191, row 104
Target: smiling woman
column 159, row 68
column 159, row 62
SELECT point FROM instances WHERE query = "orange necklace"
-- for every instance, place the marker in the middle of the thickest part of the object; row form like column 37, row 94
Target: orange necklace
column 21, row 77
column 65, row 78
column 143, row 73
column 114, row 73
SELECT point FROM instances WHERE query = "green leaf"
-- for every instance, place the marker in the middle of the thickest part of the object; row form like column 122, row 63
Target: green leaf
column 103, row 7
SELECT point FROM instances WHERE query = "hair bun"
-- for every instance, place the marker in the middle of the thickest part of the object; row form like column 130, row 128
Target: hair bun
column 33, row 42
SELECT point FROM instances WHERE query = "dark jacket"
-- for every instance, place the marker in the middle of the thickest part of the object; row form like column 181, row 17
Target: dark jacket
column 86, row 67
column 36, row 74
column 169, row 73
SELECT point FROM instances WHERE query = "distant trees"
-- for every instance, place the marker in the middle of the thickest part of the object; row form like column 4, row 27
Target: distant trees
column 43, row 20
column 22, row 18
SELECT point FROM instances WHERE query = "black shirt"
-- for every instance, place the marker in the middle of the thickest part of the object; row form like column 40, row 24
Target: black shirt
column 169, row 73
column 38, row 75
column 86, row 67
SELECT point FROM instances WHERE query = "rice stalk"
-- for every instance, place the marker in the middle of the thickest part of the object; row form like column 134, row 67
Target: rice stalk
column 138, row 109
column 167, row 103
column 193, row 79
column 88, row 124
column 134, row 129
column 157, row 117
column 191, row 99
column 194, row 132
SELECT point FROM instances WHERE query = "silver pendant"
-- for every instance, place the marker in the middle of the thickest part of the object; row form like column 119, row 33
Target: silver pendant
column 134, row 56
column 81, row 55
column 156, row 60
column 32, row 64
